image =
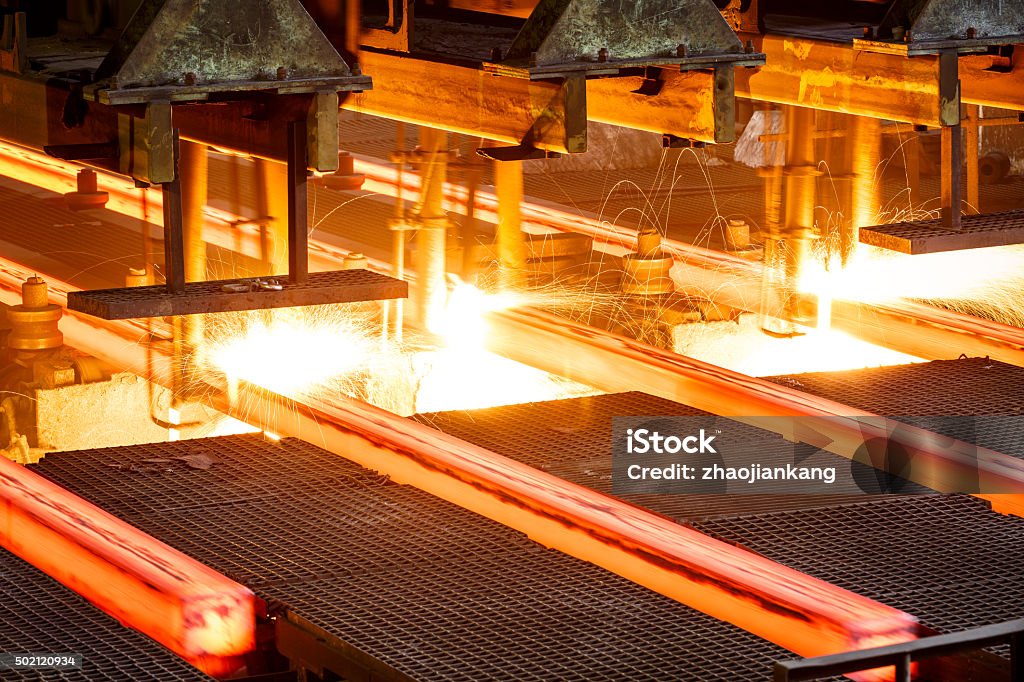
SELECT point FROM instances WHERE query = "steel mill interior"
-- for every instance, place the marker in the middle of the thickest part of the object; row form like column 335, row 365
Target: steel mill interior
column 466, row 340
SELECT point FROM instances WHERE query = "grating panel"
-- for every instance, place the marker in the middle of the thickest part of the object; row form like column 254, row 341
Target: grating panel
column 425, row 587
column 336, row 286
column 40, row 615
column 928, row 236
column 947, row 559
column 932, row 392
column 572, row 440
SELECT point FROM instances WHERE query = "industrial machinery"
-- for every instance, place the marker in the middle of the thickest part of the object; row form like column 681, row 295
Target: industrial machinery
column 329, row 330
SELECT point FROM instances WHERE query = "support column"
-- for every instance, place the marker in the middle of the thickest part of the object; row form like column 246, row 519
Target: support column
column 508, row 182
column 193, row 167
column 298, row 218
column 432, row 221
column 273, row 185
column 913, row 156
column 951, row 170
column 971, row 152
column 788, row 246
column 174, row 243
column 865, row 151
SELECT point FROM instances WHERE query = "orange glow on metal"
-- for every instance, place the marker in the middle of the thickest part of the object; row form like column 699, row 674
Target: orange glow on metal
column 803, row 614
column 913, row 328
column 191, row 609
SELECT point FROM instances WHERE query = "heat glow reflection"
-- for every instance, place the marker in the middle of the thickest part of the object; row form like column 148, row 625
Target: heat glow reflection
column 329, row 349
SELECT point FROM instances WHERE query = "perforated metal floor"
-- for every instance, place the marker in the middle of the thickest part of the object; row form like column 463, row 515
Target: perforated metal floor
column 948, row 559
column 428, row 589
column 928, row 236
column 572, row 439
column 931, row 395
column 336, row 286
column 39, row 615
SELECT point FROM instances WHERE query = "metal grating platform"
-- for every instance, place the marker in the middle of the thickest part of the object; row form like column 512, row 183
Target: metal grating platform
column 418, row 586
column 571, row 439
column 336, row 286
column 928, row 236
column 40, row 615
column 932, row 395
column 947, row 559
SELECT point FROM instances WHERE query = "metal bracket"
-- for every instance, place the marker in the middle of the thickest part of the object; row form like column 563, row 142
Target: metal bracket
column 186, row 50
column 14, row 43
column 600, row 38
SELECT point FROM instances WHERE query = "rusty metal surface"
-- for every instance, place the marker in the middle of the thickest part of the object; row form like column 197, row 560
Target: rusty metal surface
column 566, row 31
column 572, row 440
column 220, row 44
column 929, row 236
column 415, row 584
column 40, row 615
column 944, row 20
column 339, row 286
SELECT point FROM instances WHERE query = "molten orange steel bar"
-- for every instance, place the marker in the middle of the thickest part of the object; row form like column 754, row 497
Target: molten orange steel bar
column 191, row 609
column 803, row 614
column 615, row 363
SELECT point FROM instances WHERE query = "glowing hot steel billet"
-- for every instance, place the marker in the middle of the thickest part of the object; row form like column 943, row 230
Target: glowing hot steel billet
column 191, row 609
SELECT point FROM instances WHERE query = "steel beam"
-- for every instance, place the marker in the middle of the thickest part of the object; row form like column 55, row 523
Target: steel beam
column 836, row 77
column 466, row 100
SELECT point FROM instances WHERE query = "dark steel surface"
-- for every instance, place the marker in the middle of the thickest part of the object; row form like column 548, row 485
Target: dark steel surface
column 39, row 615
column 935, row 396
column 948, row 559
column 427, row 588
column 929, row 236
column 572, row 439
column 336, row 286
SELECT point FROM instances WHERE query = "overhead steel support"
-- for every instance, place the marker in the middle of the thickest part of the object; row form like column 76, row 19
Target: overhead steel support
column 836, row 77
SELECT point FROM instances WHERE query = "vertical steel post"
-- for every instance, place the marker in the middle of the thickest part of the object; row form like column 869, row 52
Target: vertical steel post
column 174, row 244
column 865, row 155
column 971, row 138
column 298, row 219
column 951, row 168
column 432, row 221
column 508, row 182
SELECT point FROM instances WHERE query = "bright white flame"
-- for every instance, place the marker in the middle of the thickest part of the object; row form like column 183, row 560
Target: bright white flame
column 293, row 353
column 336, row 350
column 745, row 348
column 877, row 275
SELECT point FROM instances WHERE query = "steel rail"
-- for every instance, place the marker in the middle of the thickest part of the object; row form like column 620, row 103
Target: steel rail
column 615, row 363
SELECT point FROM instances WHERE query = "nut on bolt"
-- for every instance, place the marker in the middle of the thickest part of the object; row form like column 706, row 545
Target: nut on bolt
column 282, row 73
column 681, row 50
column 602, row 54
column 190, row 78
column 971, row 33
